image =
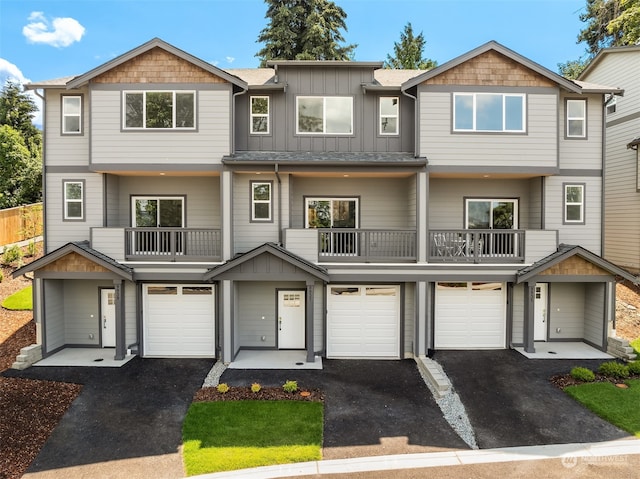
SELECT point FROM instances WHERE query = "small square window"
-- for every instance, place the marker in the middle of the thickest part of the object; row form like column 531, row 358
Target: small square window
column 73, row 200
column 261, row 194
column 260, row 115
column 71, row 115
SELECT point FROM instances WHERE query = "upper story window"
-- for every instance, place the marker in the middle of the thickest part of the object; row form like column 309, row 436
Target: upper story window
column 489, row 112
column 159, row 110
column 576, row 118
column 71, row 114
column 260, row 114
column 330, row 115
column 261, row 200
column 389, row 118
column 574, row 203
column 73, row 200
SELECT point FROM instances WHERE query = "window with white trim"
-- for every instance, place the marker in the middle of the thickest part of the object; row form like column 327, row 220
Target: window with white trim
column 73, row 200
column 71, row 115
column 489, row 112
column 261, row 201
column 259, row 115
column 611, row 105
column 157, row 212
column 389, row 115
column 330, row 115
column 576, row 118
column 159, row 110
column 574, row 203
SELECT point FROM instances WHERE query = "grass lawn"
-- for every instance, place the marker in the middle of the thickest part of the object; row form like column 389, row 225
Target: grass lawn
column 20, row 301
column 635, row 344
column 616, row 405
column 228, row 435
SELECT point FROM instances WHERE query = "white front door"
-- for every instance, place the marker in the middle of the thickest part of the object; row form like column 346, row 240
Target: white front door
column 540, row 313
column 291, row 318
column 108, row 317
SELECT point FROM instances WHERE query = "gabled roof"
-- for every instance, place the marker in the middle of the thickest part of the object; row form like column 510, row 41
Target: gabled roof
column 497, row 47
column 324, row 63
column 155, row 43
column 603, row 53
column 276, row 250
column 567, row 251
column 83, row 249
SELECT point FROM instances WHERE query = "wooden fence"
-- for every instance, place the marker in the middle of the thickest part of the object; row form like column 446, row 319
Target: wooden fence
column 20, row 223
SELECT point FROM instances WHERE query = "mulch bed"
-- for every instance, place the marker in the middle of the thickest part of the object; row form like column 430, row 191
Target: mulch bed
column 564, row 380
column 266, row 394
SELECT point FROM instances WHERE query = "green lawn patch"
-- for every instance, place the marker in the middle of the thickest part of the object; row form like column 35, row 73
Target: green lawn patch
column 20, row 301
column 229, row 435
column 616, row 405
column 635, row 344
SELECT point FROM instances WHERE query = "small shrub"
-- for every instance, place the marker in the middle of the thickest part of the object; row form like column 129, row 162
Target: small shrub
column 11, row 255
column 634, row 367
column 255, row 388
column 31, row 248
column 290, row 386
column 223, row 388
column 614, row 369
column 583, row 374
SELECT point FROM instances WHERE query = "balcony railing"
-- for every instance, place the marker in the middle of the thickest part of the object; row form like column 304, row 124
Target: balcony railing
column 172, row 244
column 357, row 245
column 476, row 246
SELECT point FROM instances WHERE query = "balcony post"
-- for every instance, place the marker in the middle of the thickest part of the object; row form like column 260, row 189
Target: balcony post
column 309, row 308
column 529, row 316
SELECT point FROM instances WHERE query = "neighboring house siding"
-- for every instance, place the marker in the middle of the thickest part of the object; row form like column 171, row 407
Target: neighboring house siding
column 594, row 312
column 206, row 145
column 65, row 150
column 517, row 330
column 538, row 147
column 567, row 308
column 582, row 153
column 54, row 313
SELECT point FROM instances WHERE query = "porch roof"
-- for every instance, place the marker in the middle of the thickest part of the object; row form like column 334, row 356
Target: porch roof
column 565, row 252
column 275, row 250
column 324, row 158
column 83, row 249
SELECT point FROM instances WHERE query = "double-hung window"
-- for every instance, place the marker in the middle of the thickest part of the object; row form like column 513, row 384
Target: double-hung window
column 261, row 201
column 489, row 112
column 576, row 118
column 259, row 115
column 573, row 203
column 72, row 115
column 330, row 115
column 73, row 200
column 389, row 107
column 159, row 110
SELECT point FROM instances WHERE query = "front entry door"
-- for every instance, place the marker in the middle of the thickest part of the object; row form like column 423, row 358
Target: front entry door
column 540, row 311
column 291, row 319
column 108, row 317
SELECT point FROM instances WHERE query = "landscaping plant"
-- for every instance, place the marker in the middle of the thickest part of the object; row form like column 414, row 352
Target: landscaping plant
column 583, row 374
column 290, row 386
column 614, row 369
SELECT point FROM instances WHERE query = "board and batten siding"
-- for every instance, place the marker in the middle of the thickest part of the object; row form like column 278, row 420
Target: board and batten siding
column 537, row 148
column 587, row 235
column 582, row 153
column 567, row 310
column 60, row 232
column 65, row 150
column 206, row 145
column 54, row 314
column 594, row 312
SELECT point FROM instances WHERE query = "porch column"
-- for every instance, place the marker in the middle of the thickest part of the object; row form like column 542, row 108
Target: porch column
column 121, row 339
column 226, row 329
column 422, row 215
column 529, row 316
column 311, row 356
column 226, row 202
column 420, row 342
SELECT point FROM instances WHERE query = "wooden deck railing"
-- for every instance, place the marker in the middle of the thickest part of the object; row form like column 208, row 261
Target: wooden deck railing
column 476, row 246
column 172, row 244
column 358, row 245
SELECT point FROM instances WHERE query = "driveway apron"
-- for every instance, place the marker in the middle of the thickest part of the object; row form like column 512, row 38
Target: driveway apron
column 371, row 407
column 135, row 411
column 511, row 402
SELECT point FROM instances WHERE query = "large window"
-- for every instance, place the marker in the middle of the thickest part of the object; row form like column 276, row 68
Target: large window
column 331, row 115
column 261, row 201
column 150, row 212
column 389, row 107
column 334, row 213
column 492, row 213
column 72, row 115
column 159, row 110
column 574, row 203
column 576, row 118
column 260, row 114
column 489, row 112
column 73, row 200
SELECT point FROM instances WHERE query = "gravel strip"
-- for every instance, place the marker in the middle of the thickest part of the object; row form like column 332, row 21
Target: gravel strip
column 454, row 413
column 213, row 378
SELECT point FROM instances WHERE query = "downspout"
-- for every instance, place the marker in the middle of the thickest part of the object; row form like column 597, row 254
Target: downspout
column 415, row 122
column 279, row 219
column 44, row 176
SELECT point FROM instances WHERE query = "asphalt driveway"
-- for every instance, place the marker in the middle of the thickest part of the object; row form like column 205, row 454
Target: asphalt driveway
column 510, row 401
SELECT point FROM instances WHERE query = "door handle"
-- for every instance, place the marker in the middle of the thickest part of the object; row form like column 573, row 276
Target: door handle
column 544, row 315
column 104, row 322
column 279, row 324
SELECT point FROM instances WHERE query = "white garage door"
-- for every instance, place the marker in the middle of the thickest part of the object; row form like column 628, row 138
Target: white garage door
column 470, row 316
column 363, row 321
column 179, row 320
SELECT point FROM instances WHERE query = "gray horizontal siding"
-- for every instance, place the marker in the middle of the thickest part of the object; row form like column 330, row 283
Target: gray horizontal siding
column 131, row 324
column 567, row 310
column 582, row 153
column 82, row 311
column 302, row 242
column 109, row 241
column 594, row 313
column 517, row 330
column 65, row 150
column 54, row 314
column 409, row 318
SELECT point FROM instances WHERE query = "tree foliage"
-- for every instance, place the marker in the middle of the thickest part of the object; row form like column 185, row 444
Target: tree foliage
column 408, row 52
column 610, row 23
column 17, row 110
column 304, row 30
column 572, row 69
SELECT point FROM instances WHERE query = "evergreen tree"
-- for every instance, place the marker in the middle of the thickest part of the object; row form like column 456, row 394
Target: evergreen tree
column 304, row 30
column 20, row 171
column 408, row 53
column 17, row 110
column 610, row 23
column 572, row 69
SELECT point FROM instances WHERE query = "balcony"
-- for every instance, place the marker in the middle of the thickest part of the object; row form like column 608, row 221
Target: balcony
column 358, row 245
column 476, row 246
column 172, row 244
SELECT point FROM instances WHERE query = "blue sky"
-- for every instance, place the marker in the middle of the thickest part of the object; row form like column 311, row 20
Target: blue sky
column 44, row 39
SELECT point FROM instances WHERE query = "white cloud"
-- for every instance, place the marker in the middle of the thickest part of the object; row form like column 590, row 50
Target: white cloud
column 230, row 59
column 60, row 32
column 9, row 71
